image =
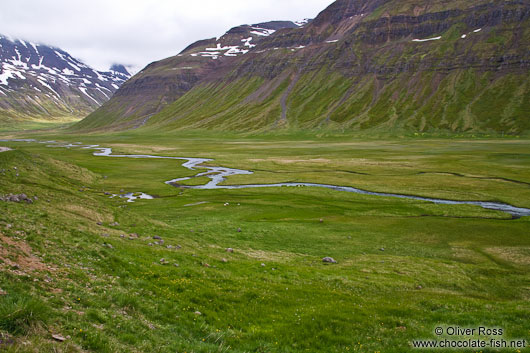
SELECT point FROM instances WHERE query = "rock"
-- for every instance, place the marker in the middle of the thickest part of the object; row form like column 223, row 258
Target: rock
column 156, row 237
column 382, row 249
column 321, row 220
column 105, row 235
column 176, row 265
column 108, row 246
column 179, row 247
column 419, row 287
column 2, row 292
column 114, row 224
column 198, row 313
column 230, row 250
column 170, row 246
column 150, row 244
column 163, row 261
column 329, row 260
column 99, row 223
column 58, row 338
column 206, row 265
column 157, row 243
column 262, row 265
column 108, row 193
column 224, row 260
column 133, row 235
column 239, row 230
column 122, row 236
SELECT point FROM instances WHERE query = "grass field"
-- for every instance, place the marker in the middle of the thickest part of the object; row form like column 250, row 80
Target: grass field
column 404, row 267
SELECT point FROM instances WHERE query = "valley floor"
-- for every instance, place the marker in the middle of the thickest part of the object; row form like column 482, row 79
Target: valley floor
column 80, row 265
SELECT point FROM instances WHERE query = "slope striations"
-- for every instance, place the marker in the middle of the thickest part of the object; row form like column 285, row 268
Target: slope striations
column 383, row 65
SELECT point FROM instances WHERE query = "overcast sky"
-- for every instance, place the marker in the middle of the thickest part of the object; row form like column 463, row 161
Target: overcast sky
column 137, row 32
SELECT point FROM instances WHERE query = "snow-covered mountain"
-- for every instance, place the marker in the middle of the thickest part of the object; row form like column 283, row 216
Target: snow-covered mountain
column 39, row 81
column 240, row 40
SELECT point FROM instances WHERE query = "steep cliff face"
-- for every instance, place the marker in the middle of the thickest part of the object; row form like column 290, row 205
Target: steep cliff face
column 378, row 64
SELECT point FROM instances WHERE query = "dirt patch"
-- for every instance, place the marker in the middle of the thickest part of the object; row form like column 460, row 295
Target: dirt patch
column 517, row 255
column 279, row 256
column 19, row 256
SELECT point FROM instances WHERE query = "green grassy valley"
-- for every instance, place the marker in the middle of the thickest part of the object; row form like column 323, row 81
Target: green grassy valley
column 92, row 269
column 356, row 181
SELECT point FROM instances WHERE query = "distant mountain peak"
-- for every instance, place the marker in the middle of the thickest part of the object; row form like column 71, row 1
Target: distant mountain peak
column 38, row 80
column 120, row 68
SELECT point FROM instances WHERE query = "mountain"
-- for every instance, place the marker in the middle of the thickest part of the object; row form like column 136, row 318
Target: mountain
column 384, row 65
column 42, row 82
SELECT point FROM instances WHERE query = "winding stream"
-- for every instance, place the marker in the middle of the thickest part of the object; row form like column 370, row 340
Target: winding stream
column 217, row 175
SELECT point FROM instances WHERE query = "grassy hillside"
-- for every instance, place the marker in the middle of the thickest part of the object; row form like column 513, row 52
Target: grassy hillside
column 376, row 66
column 463, row 101
column 404, row 266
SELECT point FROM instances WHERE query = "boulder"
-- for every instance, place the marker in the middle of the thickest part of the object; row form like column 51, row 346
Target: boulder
column 329, row 260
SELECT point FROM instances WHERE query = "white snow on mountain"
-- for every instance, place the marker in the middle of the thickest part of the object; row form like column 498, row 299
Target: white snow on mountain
column 264, row 32
column 303, row 22
column 25, row 65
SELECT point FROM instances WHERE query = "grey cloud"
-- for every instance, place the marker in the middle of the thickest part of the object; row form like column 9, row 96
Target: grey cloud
column 136, row 32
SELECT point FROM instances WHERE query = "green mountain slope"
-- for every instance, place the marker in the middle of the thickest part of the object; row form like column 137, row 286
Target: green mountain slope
column 379, row 65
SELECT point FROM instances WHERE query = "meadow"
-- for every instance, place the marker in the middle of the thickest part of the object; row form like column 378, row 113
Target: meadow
column 82, row 265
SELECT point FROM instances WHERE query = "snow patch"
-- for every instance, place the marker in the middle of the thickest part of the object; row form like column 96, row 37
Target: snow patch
column 99, row 89
column 35, row 47
column 42, row 82
column 426, row 40
column 477, row 30
column 247, row 42
column 82, row 89
column 332, row 41
column 301, row 23
column 263, row 32
column 4, row 76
